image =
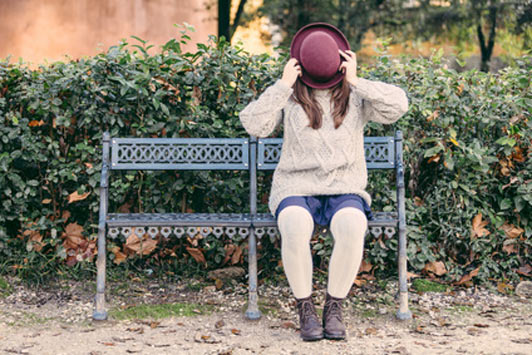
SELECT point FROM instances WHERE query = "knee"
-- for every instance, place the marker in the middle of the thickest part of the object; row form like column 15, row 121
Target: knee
column 295, row 221
column 348, row 224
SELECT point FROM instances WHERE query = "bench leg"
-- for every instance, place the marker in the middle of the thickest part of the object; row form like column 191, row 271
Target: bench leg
column 252, row 312
column 403, row 313
column 100, row 313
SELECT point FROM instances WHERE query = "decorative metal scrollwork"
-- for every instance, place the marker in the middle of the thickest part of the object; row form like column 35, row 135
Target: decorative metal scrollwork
column 379, row 152
column 157, row 153
column 179, row 232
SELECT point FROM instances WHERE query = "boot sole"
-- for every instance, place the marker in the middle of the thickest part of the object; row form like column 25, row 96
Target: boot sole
column 334, row 336
column 312, row 338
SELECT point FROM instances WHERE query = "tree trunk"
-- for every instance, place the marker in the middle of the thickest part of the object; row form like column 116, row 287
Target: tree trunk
column 486, row 50
column 224, row 13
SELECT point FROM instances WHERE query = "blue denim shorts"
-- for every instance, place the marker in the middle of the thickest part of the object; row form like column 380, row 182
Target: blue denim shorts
column 323, row 207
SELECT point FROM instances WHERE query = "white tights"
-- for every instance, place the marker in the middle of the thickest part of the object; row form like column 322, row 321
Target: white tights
column 348, row 227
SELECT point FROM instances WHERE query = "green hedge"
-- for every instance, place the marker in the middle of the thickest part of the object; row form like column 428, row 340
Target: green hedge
column 467, row 147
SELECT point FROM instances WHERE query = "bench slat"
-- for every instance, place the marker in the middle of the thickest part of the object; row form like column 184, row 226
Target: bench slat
column 178, row 219
column 381, row 219
column 179, row 153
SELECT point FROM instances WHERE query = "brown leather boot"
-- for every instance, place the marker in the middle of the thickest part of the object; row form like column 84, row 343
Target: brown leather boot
column 309, row 324
column 333, row 328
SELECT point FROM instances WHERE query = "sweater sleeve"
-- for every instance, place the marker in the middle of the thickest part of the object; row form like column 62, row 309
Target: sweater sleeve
column 261, row 116
column 381, row 102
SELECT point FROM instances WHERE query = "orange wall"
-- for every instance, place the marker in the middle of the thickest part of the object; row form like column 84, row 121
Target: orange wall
column 39, row 30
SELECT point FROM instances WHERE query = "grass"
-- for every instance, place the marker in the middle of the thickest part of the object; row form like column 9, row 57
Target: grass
column 369, row 313
column 5, row 287
column 422, row 285
column 159, row 311
column 460, row 309
column 265, row 307
column 28, row 318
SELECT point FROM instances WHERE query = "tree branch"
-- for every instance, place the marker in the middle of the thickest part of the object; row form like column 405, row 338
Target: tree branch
column 238, row 15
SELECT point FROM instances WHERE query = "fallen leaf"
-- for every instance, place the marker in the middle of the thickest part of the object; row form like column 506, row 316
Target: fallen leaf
column 119, row 257
column 510, row 247
column 46, row 201
column 142, row 246
column 35, row 238
column 288, row 325
column 72, row 236
column 65, row 215
column 525, row 270
column 512, row 231
column 468, row 276
column 433, row 115
column 502, row 287
column 197, row 255
column 410, row 275
column 139, row 330
column 35, row 123
column 371, row 331
column 434, row 158
column 517, row 155
column 435, row 267
column 236, row 255
column 478, row 225
column 74, row 196
column 359, row 282
column 481, row 325
column 418, row 201
column 365, row 266
column 229, row 250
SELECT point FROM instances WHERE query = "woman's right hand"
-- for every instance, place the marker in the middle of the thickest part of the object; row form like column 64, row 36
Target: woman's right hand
column 290, row 72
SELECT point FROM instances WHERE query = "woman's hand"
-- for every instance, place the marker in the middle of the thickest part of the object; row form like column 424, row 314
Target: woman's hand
column 349, row 67
column 290, row 72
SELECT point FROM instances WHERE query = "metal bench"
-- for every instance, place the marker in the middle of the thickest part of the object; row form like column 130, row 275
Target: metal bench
column 250, row 154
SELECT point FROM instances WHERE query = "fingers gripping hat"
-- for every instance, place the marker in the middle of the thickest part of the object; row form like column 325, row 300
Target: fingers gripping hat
column 315, row 46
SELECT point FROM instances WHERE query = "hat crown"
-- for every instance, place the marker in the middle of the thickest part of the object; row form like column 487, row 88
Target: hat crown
column 319, row 56
column 315, row 46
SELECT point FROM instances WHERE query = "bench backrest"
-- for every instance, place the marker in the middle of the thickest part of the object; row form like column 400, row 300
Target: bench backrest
column 221, row 153
column 229, row 154
column 179, row 153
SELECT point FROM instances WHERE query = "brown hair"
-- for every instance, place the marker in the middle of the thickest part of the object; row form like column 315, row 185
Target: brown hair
column 304, row 95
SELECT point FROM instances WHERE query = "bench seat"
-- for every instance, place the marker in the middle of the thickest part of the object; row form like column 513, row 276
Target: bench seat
column 179, row 219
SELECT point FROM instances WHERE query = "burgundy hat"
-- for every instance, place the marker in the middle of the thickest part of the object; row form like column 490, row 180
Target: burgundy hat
column 315, row 46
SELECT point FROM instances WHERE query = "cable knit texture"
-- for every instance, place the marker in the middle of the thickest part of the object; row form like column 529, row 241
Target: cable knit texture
column 327, row 160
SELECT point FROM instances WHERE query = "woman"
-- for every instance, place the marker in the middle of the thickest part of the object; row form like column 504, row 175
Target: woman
column 321, row 175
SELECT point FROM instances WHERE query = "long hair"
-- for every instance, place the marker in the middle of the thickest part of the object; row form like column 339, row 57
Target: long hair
column 304, row 95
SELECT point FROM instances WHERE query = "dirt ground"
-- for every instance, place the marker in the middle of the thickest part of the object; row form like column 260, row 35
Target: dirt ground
column 56, row 319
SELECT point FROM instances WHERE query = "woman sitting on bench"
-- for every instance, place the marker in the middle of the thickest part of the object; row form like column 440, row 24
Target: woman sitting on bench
column 321, row 175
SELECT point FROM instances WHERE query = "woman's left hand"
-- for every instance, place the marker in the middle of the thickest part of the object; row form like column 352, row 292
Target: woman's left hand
column 349, row 66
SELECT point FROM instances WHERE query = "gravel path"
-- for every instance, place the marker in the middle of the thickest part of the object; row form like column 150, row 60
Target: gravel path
column 56, row 320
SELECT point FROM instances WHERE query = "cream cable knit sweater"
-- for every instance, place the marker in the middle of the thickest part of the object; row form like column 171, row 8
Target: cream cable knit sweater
column 327, row 160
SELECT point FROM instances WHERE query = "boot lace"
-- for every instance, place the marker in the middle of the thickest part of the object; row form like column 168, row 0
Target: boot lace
column 307, row 310
column 334, row 310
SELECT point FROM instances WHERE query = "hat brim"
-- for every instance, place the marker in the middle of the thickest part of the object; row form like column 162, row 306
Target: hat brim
column 295, row 47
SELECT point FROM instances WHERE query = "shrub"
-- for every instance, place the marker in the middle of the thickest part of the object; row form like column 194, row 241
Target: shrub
column 467, row 143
